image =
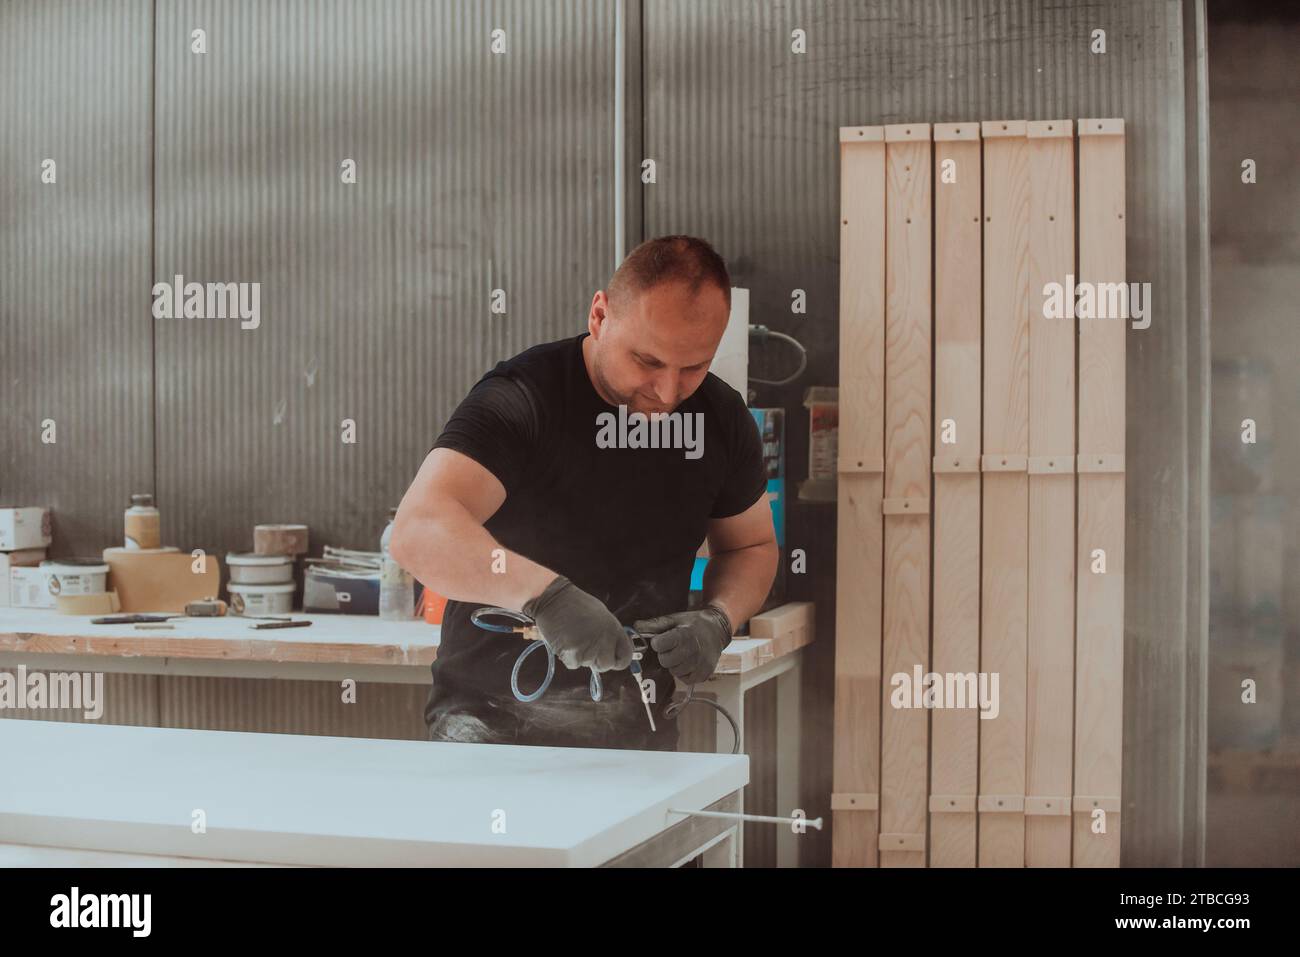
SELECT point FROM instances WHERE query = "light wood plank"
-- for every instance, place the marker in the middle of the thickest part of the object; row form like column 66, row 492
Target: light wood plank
column 906, row 639
column 859, row 552
column 1004, row 571
column 954, row 768
column 1049, row 744
column 1100, row 611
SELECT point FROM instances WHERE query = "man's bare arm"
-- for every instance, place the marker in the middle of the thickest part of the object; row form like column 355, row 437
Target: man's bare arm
column 439, row 537
column 742, row 561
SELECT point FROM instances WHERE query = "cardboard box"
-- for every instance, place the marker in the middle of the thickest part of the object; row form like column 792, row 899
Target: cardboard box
column 25, row 558
column 22, row 528
column 823, row 405
column 160, row 579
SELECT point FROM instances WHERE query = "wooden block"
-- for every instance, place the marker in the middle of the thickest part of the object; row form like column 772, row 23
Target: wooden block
column 1101, row 462
column 910, row 843
column 1050, row 728
column 862, row 134
column 944, row 464
column 1086, row 803
column 907, row 133
column 954, row 754
column 997, row 129
column 855, row 802
column 1052, row 464
column 946, row 132
column 1002, row 803
column 1058, row 129
column 954, row 804
column 859, row 552
column 782, row 622
column 280, row 540
column 1099, row 656
column 104, row 603
column 1004, row 571
column 1056, row 806
column 1111, row 127
column 906, row 623
column 1004, row 462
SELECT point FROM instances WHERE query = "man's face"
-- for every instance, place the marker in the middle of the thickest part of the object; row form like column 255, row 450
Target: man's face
column 656, row 351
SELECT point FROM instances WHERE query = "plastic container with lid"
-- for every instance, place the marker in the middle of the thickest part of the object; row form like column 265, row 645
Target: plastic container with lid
column 75, row 576
column 261, row 599
column 247, row 568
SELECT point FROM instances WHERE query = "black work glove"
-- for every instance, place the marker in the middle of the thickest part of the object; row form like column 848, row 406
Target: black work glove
column 578, row 627
column 689, row 643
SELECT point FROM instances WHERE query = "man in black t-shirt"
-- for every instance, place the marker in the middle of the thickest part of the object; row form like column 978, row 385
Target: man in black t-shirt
column 575, row 483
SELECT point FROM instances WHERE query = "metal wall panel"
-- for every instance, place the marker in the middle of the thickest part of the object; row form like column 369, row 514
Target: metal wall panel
column 127, row 699
column 474, row 171
column 75, row 341
column 284, row 706
column 264, row 705
column 745, row 135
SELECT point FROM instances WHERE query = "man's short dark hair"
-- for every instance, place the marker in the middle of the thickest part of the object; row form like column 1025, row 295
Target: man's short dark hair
column 684, row 259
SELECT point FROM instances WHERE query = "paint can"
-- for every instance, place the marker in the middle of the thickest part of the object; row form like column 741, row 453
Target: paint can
column 75, row 576
column 280, row 540
column 247, row 568
column 261, row 599
column 143, row 524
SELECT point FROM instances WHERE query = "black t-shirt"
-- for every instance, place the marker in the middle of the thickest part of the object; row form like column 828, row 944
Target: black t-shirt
column 621, row 523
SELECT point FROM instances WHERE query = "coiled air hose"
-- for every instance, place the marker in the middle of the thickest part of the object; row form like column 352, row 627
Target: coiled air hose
column 524, row 625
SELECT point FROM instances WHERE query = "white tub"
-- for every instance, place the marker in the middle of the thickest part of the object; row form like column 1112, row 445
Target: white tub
column 257, row 600
column 249, row 569
column 75, row 576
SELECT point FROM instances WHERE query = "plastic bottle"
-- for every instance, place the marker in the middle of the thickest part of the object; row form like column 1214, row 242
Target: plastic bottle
column 396, row 586
column 142, row 524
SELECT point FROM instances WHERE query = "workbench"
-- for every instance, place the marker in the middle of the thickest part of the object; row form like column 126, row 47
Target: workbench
column 367, row 649
column 87, row 793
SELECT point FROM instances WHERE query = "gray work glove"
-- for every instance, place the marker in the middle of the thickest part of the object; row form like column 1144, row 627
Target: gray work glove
column 578, row 627
column 689, row 643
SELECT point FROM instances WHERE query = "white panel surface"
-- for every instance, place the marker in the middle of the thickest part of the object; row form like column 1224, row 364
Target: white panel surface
column 295, row 799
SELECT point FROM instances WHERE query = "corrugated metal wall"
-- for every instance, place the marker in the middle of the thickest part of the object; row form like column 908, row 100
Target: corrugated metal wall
column 75, row 341
column 745, row 136
column 474, row 171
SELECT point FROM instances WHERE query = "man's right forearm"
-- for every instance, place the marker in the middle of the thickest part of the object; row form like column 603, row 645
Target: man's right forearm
column 452, row 554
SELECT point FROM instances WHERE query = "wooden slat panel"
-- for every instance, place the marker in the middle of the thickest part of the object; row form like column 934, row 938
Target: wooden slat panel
column 1049, row 743
column 904, row 731
column 954, row 768
column 1004, row 572
column 1100, row 645
column 859, row 552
